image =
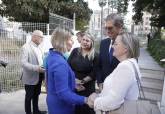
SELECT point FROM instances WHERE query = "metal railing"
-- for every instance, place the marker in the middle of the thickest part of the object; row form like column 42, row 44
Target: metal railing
column 12, row 37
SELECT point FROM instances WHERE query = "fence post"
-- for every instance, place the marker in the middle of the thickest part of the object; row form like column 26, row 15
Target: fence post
column 0, row 88
column 47, row 26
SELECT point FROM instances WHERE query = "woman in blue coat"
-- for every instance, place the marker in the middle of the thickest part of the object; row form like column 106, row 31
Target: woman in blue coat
column 61, row 98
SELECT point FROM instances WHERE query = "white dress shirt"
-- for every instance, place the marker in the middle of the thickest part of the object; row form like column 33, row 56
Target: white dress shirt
column 119, row 86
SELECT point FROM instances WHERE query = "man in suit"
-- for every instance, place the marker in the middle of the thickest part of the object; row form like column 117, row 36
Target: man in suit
column 33, row 73
column 107, row 62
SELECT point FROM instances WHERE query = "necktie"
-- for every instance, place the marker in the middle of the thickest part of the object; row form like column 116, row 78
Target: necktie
column 111, row 51
column 111, row 54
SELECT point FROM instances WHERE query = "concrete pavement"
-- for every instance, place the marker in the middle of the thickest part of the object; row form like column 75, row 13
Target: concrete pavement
column 13, row 102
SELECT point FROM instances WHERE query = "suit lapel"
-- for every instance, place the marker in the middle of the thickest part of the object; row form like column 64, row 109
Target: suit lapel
column 107, row 50
column 32, row 52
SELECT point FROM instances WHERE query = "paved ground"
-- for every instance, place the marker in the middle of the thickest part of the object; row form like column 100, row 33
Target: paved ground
column 13, row 103
column 147, row 62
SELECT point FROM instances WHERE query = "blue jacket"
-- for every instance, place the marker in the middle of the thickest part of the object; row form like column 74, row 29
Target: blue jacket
column 61, row 98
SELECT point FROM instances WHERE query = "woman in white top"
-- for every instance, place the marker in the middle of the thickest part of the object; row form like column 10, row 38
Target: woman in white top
column 121, row 84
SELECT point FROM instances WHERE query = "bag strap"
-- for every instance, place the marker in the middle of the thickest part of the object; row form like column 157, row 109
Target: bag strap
column 138, row 81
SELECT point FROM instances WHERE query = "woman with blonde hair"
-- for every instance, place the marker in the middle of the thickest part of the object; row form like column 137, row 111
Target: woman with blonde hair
column 84, row 61
column 121, row 85
column 61, row 98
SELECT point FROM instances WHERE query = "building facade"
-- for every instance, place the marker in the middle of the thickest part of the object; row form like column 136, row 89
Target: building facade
column 144, row 27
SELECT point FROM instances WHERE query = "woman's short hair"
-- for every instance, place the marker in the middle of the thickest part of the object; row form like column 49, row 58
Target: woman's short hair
column 92, row 50
column 131, row 43
column 116, row 19
column 59, row 38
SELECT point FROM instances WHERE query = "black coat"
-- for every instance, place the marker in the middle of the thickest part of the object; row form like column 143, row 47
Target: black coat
column 105, row 66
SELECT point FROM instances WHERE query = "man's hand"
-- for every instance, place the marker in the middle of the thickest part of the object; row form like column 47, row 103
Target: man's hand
column 41, row 70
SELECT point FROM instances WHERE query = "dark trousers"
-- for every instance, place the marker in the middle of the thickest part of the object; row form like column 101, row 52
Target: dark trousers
column 32, row 95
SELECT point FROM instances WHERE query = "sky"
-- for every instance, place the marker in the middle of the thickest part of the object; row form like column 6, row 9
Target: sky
column 93, row 4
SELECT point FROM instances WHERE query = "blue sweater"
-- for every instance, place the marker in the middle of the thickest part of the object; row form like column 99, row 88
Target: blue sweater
column 61, row 98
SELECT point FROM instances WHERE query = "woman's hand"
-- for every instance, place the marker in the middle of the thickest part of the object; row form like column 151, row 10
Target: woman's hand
column 78, row 82
column 91, row 99
column 86, row 79
column 80, row 87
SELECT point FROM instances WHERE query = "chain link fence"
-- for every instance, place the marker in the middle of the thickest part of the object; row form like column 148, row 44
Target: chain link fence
column 12, row 37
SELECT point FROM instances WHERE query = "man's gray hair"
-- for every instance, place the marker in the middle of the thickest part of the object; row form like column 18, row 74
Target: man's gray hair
column 116, row 19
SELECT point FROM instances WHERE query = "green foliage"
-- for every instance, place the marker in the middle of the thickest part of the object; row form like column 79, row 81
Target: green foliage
column 26, row 10
column 68, row 8
column 80, row 24
column 157, row 49
column 155, row 7
column 122, row 6
column 38, row 10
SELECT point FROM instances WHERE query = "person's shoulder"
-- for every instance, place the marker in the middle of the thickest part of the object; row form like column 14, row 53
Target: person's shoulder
column 75, row 49
column 127, row 64
column 124, row 64
column 105, row 40
column 25, row 46
column 58, row 60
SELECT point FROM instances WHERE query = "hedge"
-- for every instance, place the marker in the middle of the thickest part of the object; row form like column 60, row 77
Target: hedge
column 156, row 47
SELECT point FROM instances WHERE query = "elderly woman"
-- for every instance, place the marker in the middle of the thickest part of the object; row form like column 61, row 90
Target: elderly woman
column 61, row 97
column 121, row 84
column 83, row 61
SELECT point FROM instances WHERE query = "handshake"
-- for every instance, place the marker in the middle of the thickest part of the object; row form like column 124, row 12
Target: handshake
column 91, row 99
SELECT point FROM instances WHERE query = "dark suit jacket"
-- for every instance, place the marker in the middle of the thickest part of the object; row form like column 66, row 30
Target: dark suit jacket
column 105, row 67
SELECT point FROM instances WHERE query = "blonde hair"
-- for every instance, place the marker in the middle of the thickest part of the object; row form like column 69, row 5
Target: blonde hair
column 91, row 53
column 131, row 43
column 59, row 38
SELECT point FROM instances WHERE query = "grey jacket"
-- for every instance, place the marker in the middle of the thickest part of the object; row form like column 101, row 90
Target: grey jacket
column 30, row 65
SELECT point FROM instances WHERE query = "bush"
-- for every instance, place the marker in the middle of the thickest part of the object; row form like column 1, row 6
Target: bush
column 156, row 48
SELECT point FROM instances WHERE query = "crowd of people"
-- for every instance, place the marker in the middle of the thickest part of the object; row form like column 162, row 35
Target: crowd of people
column 71, row 78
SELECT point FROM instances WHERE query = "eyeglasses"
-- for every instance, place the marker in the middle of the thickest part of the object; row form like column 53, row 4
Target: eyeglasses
column 109, row 28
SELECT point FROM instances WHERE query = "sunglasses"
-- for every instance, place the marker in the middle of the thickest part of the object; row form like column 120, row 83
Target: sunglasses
column 109, row 28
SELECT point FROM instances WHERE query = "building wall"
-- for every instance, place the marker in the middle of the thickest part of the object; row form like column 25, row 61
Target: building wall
column 143, row 28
